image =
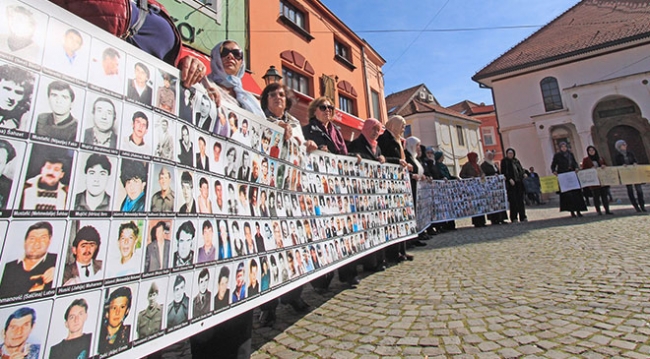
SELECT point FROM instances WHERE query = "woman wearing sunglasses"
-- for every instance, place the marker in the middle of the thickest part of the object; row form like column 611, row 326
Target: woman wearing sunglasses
column 328, row 137
column 321, row 130
column 227, row 69
column 232, row 338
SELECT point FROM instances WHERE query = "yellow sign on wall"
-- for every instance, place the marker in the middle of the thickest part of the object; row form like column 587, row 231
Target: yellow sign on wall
column 549, row 184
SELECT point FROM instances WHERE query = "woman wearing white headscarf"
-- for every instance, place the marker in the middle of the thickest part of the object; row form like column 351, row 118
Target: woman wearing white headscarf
column 412, row 152
column 228, row 68
column 231, row 338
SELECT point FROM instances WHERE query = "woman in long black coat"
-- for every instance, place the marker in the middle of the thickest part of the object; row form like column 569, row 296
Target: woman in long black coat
column 391, row 148
column 563, row 162
column 512, row 169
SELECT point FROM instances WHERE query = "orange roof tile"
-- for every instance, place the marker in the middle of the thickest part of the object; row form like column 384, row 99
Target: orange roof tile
column 588, row 26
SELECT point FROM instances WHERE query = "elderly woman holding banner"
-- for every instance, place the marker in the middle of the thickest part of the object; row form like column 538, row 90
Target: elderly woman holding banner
column 367, row 147
column 390, row 143
column 412, row 152
column 232, row 338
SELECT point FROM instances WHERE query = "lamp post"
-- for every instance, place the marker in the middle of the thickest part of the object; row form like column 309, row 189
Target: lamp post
column 272, row 76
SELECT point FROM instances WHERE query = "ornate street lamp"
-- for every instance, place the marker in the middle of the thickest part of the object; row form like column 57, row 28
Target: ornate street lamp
column 272, row 76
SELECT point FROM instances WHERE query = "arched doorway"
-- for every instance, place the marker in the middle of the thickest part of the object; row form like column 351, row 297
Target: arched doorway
column 617, row 118
column 633, row 139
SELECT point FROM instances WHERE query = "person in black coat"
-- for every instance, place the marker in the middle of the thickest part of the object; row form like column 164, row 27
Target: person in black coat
column 367, row 147
column 624, row 158
column 512, row 169
column 321, row 129
column 563, row 162
column 490, row 168
column 328, row 137
column 391, row 148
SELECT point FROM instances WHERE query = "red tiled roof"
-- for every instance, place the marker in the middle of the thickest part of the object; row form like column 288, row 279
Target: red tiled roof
column 588, row 26
column 468, row 107
column 416, row 106
column 398, row 99
column 463, row 106
column 477, row 110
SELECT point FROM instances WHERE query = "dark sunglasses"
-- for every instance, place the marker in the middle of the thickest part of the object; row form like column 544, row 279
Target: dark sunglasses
column 326, row 107
column 236, row 53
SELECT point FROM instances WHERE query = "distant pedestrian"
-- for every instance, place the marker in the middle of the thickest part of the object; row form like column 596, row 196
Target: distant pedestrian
column 563, row 162
column 624, row 158
column 533, row 186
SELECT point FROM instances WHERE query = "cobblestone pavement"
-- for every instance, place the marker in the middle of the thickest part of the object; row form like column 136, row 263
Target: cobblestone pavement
column 555, row 287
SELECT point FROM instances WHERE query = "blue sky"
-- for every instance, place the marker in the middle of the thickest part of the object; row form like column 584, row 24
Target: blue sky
column 445, row 60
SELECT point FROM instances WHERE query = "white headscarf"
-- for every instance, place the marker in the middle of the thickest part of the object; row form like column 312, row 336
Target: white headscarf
column 412, row 143
column 219, row 76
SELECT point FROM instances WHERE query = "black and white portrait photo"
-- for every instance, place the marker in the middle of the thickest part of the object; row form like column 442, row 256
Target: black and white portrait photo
column 59, row 107
column 11, row 159
column 94, row 181
column 151, row 307
column 16, row 97
column 163, row 136
column 100, row 127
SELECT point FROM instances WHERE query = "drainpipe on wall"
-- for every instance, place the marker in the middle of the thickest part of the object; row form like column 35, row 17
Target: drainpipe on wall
column 227, row 14
column 365, row 82
column 453, row 152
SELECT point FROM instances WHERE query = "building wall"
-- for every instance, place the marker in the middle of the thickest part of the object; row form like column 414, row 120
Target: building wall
column 526, row 126
column 489, row 125
column 270, row 37
column 440, row 131
column 225, row 19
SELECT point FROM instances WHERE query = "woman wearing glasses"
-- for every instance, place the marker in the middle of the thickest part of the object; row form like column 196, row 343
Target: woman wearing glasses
column 321, row 130
column 228, row 68
column 328, row 137
column 232, row 337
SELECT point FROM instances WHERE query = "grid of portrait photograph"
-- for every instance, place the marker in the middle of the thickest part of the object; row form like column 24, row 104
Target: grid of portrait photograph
column 131, row 207
column 440, row 201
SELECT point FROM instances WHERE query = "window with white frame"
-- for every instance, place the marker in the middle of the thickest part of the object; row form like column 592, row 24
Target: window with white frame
column 342, row 50
column 551, row 94
column 376, row 112
column 293, row 14
column 488, row 136
column 346, row 104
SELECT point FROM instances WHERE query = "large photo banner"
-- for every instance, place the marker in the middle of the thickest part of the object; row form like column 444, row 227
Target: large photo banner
column 135, row 213
column 441, row 201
